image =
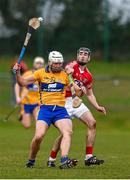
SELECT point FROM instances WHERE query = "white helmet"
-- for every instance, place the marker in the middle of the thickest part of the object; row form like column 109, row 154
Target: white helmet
column 38, row 59
column 55, row 57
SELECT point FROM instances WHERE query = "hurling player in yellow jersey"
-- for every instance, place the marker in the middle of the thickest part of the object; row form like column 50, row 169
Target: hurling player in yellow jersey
column 52, row 86
column 28, row 97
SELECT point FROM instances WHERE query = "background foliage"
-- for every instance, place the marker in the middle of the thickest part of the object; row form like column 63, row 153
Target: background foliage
column 68, row 25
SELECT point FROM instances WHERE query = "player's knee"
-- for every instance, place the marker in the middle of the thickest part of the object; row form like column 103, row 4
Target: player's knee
column 38, row 138
column 60, row 137
column 26, row 126
column 92, row 124
column 26, row 123
column 68, row 132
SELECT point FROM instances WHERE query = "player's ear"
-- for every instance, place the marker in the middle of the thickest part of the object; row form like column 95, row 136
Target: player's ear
column 88, row 58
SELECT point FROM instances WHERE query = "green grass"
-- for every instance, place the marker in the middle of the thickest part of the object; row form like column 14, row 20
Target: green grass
column 112, row 141
column 112, row 144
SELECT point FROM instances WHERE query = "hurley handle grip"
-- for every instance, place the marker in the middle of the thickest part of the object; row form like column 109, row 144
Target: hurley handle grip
column 71, row 79
column 76, row 100
column 71, row 84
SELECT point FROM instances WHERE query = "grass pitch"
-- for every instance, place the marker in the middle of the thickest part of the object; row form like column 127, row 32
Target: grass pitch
column 112, row 141
column 111, row 144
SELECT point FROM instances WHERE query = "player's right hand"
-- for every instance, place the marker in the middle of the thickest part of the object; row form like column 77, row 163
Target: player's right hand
column 102, row 109
column 16, row 68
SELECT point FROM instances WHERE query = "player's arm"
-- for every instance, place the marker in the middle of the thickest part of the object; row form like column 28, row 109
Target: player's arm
column 17, row 90
column 70, row 70
column 69, row 67
column 92, row 99
column 23, row 81
column 69, row 84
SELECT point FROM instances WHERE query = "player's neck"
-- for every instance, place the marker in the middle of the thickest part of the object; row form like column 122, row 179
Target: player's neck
column 82, row 67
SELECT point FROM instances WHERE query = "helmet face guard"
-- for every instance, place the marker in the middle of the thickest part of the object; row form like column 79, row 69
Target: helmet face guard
column 83, row 49
column 55, row 69
column 55, row 57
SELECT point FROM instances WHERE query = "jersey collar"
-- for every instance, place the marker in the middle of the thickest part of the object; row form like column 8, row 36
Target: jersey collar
column 47, row 69
column 77, row 65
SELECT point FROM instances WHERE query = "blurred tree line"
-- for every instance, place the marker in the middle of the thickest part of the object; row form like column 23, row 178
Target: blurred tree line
column 68, row 25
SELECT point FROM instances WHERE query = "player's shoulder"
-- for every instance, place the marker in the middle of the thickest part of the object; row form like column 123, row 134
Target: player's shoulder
column 63, row 72
column 27, row 73
column 88, row 71
column 38, row 74
column 40, row 71
column 88, row 74
column 71, row 63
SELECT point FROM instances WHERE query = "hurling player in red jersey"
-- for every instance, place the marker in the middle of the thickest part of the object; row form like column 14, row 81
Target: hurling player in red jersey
column 83, row 78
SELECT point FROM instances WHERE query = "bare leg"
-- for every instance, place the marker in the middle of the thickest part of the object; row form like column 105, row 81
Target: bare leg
column 65, row 127
column 41, row 129
column 54, row 151
column 26, row 120
column 56, row 145
column 35, row 112
column 88, row 119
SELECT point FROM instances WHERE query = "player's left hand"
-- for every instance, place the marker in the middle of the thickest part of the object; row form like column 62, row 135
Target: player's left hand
column 76, row 87
column 69, row 70
column 102, row 109
column 18, row 100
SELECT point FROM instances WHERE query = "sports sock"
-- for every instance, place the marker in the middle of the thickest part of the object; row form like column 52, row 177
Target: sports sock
column 63, row 159
column 53, row 155
column 89, row 152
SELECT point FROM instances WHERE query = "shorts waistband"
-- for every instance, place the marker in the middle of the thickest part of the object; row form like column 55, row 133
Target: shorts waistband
column 52, row 107
column 46, row 105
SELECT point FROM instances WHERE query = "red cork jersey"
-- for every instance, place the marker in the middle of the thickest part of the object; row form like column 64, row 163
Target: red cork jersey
column 81, row 77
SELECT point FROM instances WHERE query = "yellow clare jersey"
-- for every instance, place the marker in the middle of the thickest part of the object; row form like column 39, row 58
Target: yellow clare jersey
column 52, row 86
column 30, row 93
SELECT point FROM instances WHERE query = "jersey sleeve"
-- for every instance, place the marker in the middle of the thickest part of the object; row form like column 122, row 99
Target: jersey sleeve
column 70, row 64
column 89, row 86
column 67, row 81
column 27, row 73
column 90, row 83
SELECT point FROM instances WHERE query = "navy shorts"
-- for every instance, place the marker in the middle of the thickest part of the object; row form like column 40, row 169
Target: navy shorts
column 29, row 108
column 50, row 114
